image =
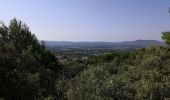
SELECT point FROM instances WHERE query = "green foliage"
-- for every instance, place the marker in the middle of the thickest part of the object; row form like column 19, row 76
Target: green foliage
column 166, row 37
column 142, row 75
column 99, row 83
column 28, row 71
column 72, row 68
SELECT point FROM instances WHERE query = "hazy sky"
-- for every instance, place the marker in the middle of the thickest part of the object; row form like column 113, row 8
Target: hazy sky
column 90, row 20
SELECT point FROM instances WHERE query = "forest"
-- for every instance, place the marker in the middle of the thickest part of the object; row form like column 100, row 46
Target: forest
column 30, row 71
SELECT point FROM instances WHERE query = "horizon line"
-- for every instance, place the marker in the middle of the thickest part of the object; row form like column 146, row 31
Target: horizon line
column 102, row 41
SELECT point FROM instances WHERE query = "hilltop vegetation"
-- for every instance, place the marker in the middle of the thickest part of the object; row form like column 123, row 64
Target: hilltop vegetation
column 29, row 71
column 138, row 75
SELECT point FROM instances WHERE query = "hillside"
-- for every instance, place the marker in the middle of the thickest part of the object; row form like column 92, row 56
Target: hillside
column 106, row 45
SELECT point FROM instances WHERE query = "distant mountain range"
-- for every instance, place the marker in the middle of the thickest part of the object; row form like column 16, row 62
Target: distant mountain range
column 137, row 42
column 102, row 45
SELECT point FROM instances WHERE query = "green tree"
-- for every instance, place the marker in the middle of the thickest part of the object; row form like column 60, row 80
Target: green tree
column 166, row 37
column 28, row 70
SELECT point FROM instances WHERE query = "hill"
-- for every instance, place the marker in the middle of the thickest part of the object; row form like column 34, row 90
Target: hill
column 107, row 45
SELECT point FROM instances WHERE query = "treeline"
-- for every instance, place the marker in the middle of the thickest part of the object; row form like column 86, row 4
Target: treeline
column 29, row 71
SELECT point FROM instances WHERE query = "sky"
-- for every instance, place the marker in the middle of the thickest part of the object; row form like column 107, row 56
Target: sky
column 90, row 20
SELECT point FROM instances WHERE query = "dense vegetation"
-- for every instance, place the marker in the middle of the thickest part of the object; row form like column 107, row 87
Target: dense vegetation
column 137, row 75
column 29, row 71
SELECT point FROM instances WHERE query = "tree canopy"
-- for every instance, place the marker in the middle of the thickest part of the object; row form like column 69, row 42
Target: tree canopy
column 166, row 37
column 28, row 70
